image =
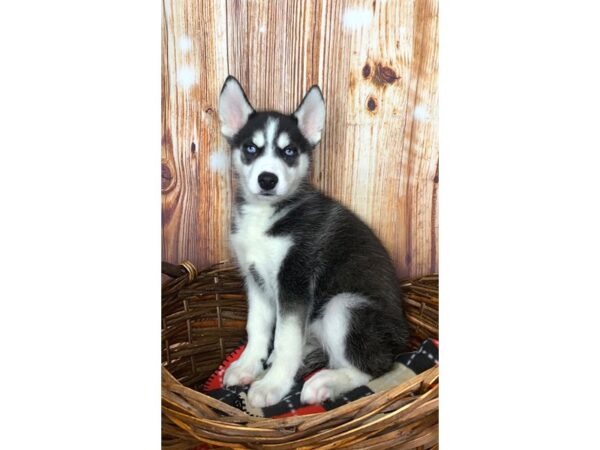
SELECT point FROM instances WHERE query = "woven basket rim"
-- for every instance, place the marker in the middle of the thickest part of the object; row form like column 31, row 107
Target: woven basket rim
column 198, row 417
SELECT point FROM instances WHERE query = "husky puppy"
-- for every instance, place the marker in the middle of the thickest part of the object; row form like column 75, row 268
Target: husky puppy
column 316, row 275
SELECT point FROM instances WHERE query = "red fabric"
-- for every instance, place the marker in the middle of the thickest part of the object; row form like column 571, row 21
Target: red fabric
column 215, row 381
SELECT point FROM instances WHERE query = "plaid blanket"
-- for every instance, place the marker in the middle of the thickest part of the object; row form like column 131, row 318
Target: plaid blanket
column 407, row 366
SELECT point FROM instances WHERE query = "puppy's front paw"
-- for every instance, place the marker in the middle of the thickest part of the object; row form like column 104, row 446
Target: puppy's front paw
column 320, row 387
column 267, row 392
column 242, row 372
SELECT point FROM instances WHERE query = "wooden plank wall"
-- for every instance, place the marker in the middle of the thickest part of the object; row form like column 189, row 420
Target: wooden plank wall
column 376, row 62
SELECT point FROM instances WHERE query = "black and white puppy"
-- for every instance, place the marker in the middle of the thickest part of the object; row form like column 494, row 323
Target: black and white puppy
column 315, row 273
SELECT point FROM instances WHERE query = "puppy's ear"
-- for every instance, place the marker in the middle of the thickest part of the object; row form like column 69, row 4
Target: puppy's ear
column 234, row 108
column 311, row 115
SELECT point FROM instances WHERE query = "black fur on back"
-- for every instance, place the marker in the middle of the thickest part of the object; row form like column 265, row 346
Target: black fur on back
column 335, row 252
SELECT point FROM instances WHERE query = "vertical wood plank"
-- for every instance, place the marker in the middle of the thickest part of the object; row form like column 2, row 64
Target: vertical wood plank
column 274, row 50
column 423, row 140
column 196, row 193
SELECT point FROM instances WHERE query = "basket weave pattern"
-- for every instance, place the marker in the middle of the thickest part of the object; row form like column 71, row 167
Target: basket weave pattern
column 204, row 318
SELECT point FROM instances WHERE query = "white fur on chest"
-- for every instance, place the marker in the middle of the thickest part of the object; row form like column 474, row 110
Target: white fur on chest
column 253, row 246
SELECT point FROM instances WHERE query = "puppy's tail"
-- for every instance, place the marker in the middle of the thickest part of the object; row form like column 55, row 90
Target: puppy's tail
column 316, row 359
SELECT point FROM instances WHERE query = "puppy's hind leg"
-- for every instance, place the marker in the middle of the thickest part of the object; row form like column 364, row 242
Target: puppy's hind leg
column 332, row 330
column 331, row 383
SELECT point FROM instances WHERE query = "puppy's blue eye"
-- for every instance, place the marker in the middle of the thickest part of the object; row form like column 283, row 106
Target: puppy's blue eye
column 250, row 148
column 289, row 151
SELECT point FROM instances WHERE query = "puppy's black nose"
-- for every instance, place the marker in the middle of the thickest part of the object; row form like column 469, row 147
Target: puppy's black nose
column 267, row 180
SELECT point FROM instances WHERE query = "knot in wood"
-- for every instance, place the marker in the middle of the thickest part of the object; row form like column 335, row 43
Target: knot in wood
column 384, row 75
column 366, row 70
column 371, row 104
column 166, row 176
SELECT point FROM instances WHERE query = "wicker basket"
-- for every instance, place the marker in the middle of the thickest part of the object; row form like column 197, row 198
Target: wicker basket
column 203, row 319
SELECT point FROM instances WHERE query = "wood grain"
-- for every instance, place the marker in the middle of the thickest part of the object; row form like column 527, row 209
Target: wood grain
column 376, row 62
column 195, row 197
